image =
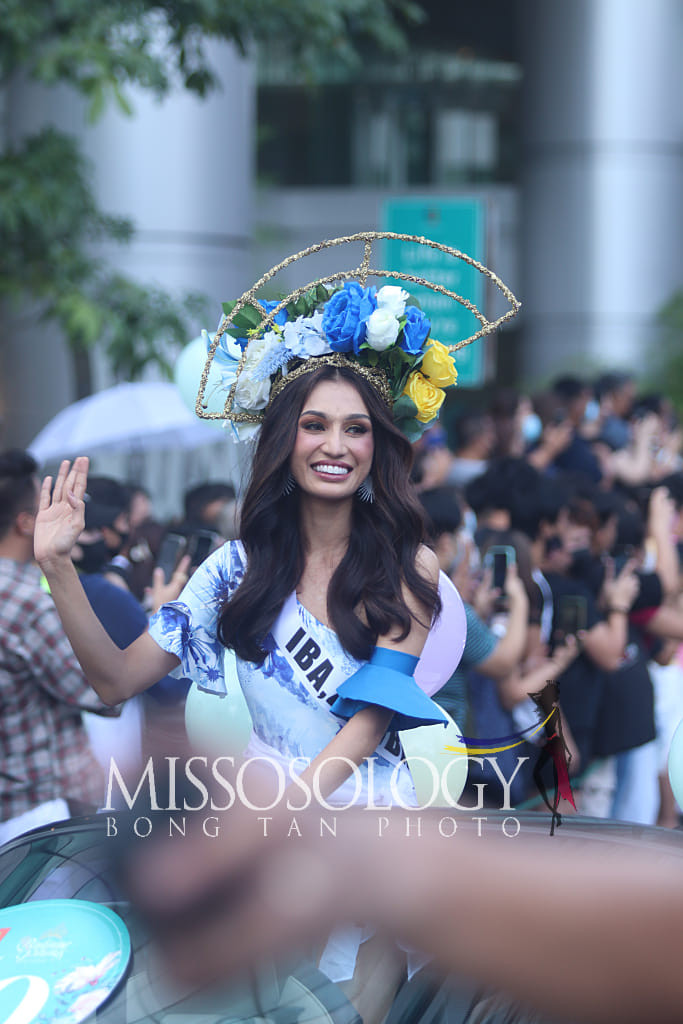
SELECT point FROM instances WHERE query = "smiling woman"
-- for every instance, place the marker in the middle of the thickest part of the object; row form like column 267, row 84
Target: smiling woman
column 334, row 442
column 327, row 444
column 328, row 597
column 327, row 647
column 327, row 601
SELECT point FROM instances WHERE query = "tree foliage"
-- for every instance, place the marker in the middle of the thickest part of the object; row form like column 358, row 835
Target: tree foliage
column 49, row 217
column 50, row 223
column 668, row 362
column 100, row 46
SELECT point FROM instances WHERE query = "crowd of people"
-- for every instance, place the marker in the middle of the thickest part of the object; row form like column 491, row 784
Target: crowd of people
column 55, row 734
column 578, row 494
column 559, row 521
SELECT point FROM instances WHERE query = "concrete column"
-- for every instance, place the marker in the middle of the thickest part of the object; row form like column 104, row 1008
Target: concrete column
column 181, row 169
column 602, row 203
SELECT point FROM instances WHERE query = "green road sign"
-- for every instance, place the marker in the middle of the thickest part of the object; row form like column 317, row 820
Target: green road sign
column 459, row 223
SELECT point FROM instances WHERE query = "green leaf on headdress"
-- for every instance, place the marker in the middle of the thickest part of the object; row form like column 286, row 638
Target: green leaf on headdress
column 396, row 357
column 404, row 409
column 305, row 305
column 412, row 428
column 251, row 315
column 400, row 364
column 245, row 319
column 321, row 294
column 245, row 323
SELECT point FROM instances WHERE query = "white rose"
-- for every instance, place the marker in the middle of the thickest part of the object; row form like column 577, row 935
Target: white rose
column 252, row 394
column 393, row 298
column 382, row 329
column 253, row 387
column 253, row 384
column 258, row 349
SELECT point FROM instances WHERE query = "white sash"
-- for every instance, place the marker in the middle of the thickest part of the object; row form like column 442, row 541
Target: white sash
column 317, row 670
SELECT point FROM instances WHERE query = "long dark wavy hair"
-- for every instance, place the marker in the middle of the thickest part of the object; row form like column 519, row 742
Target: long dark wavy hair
column 383, row 544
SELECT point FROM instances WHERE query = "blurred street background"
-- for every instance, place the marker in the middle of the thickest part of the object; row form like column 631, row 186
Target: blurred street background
column 154, row 162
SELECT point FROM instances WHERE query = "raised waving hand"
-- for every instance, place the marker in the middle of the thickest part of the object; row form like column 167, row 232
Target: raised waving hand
column 61, row 512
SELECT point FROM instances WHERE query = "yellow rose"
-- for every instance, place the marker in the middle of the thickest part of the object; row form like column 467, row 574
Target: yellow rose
column 427, row 396
column 438, row 365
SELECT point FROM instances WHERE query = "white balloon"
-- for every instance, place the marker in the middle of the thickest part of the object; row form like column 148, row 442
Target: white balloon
column 445, row 642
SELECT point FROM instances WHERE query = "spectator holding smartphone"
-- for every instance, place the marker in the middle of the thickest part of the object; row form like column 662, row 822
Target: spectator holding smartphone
column 540, row 509
column 491, row 655
column 578, row 456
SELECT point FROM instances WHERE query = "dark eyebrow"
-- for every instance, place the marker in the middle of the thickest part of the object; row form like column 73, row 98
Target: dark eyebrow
column 323, row 415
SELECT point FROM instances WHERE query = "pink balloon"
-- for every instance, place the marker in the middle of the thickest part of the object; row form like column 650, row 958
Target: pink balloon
column 446, row 641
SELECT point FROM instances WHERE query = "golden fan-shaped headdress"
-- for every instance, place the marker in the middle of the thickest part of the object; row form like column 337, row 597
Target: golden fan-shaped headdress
column 264, row 319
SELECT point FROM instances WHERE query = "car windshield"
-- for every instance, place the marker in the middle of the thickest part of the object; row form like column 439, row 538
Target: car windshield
column 70, row 861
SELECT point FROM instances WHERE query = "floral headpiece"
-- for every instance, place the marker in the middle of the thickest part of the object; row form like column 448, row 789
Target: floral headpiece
column 380, row 334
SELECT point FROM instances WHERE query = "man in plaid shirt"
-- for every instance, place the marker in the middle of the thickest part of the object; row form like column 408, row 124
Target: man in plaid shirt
column 44, row 750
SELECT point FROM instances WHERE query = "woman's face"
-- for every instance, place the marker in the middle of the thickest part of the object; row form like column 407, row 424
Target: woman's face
column 334, row 443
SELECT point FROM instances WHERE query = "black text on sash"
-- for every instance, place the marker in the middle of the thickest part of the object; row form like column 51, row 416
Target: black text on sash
column 307, row 654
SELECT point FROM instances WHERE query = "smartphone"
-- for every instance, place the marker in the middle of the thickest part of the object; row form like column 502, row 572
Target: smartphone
column 498, row 558
column 171, row 551
column 622, row 554
column 199, row 545
column 572, row 615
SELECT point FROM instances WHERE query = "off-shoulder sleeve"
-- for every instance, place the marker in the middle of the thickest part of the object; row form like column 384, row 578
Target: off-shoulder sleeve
column 187, row 627
column 387, row 681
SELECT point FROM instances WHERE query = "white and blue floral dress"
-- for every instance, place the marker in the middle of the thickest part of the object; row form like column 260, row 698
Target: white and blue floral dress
column 290, row 695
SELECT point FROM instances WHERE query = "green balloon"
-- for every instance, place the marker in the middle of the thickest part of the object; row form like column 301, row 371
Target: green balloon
column 187, row 374
column 438, row 774
column 220, row 725
column 676, row 764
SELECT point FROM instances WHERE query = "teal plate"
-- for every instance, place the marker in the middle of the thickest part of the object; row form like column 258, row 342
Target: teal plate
column 59, row 960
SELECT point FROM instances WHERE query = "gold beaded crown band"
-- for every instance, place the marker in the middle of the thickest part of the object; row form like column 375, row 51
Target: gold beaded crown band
column 380, row 334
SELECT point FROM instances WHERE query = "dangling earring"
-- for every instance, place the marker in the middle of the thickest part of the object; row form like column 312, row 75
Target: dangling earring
column 289, row 484
column 366, row 491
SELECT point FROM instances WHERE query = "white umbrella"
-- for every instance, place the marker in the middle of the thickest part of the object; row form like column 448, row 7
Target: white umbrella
column 125, row 418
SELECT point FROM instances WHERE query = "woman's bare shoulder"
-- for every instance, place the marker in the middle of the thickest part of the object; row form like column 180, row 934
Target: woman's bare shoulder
column 427, row 563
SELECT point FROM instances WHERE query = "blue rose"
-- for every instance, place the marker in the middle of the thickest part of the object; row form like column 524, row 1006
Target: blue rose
column 346, row 314
column 415, row 330
column 281, row 317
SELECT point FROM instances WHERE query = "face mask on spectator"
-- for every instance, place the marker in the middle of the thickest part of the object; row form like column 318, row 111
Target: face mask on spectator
column 114, row 550
column 532, row 428
column 592, row 412
column 94, row 557
column 553, row 543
